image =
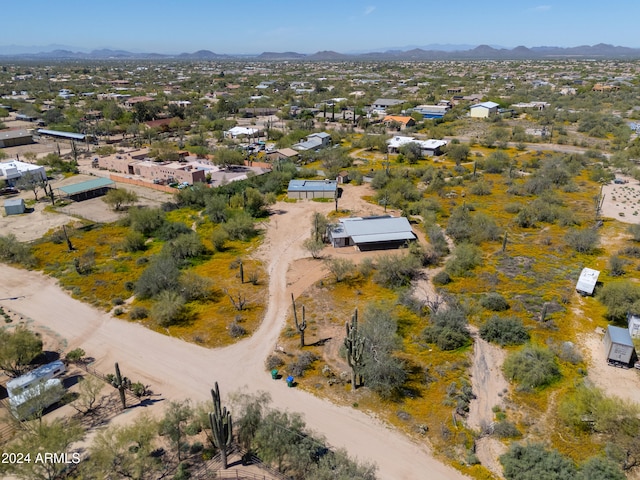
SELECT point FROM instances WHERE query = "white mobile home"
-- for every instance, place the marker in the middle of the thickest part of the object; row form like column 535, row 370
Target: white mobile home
column 19, row 385
column 619, row 346
column 587, row 281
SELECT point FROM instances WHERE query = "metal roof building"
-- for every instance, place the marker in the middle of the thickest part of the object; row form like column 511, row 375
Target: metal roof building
column 13, row 138
column 372, row 233
column 88, row 189
column 302, row 189
column 65, row 135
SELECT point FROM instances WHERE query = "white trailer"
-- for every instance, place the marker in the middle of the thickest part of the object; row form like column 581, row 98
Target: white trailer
column 619, row 347
column 587, row 281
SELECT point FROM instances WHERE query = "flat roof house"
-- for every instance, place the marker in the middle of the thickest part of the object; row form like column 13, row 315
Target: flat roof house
column 12, row 170
column 429, row 147
column 314, row 141
column 303, row 189
column 371, row 233
column 483, row 110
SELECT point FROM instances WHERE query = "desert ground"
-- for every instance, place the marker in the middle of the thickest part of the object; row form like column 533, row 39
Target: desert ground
column 177, row 370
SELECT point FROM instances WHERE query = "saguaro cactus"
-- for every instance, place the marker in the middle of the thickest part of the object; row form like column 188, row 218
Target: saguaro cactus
column 301, row 326
column 221, row 425
column 354, row 344
column 121, row 383
column 504, row 242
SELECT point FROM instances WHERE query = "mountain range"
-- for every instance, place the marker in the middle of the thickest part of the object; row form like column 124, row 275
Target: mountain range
column 447, row 52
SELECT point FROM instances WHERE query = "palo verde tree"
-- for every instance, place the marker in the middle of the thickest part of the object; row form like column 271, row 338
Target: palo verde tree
column 354, row 345
column 300, row 326
column 221, row 425
column 18, row 350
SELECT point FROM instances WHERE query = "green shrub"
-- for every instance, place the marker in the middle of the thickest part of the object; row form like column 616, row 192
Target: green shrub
column 396, row 270
column 504, row 331
column 533, row 461
column 448, row 329
column 506, row 429
column 464, row 259
column 75, row 355
column 494, row 302
column 168, row 309
column 138, row 313
column 619, row 297
column 532, row 367
column 441, row 278
column 582, row 241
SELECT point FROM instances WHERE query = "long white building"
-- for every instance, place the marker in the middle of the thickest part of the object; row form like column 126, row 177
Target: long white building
column 12, row 170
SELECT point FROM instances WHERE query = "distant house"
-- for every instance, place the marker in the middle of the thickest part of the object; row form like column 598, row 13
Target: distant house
column 483, row 110
column 236, row 132
column 305, row 189
column 283, row 154
column 431, row 111
column 384, row 103
column 12, row 170
column 587, row 281
column 399, row 121
column 315, row 141
column 371, row 233
column 531, row 105
column 428, row 147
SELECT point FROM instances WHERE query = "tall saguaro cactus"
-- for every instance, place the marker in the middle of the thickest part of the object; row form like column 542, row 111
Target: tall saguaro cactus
column 121, row 384
column 301, row 326
column 354, row 344
column 221, row 425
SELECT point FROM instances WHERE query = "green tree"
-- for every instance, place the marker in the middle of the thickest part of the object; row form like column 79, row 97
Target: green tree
column 33, row 182
column 340, row 268
column 18, row 349
column 161, row 274
column 532, row 367
column 14, row 251
column 146, row 220
column 174, row 425
column 458, row 152
column 119, row 198
column 620, row 297
column 168, row 309
column 226, row 157
column 126, row 450
column 313, row 246
column 54, row 437
column 381, row 370
column 89, row 399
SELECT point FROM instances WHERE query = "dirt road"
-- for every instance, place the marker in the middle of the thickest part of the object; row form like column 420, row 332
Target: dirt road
column 179, row 370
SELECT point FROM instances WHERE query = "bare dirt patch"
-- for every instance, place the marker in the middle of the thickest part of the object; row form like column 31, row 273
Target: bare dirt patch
column 622, row 201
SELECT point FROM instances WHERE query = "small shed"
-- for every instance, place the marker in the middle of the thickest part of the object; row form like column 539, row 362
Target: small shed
column 14, row 206
column 619, row 347
column 587, row 281
column 303, row 189
column 633, row 321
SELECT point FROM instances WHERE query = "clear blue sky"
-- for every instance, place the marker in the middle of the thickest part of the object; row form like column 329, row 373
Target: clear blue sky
column 252, row 26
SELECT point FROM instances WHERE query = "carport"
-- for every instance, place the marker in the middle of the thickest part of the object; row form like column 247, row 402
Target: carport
column 85, row 190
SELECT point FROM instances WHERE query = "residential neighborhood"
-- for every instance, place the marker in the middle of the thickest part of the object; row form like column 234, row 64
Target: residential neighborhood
column 434, row 262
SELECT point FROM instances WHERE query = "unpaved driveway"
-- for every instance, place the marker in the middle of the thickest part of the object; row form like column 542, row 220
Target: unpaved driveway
column 179, row 370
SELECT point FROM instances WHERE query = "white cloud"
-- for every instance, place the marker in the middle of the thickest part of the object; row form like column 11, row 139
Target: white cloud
column 540, row 8
column 369, row 9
